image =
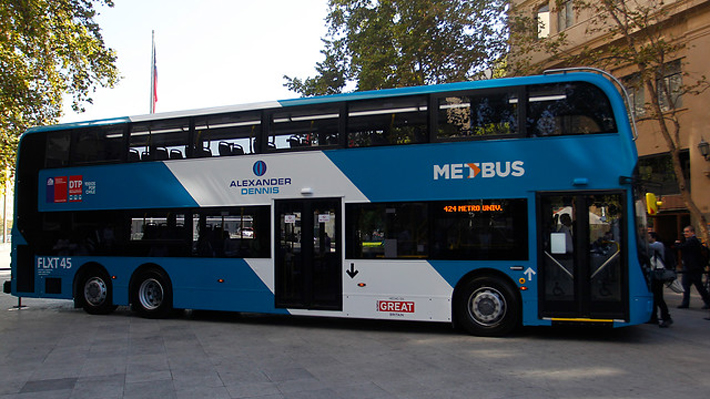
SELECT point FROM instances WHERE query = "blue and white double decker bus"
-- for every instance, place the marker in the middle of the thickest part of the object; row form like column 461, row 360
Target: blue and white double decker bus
column 487, row 204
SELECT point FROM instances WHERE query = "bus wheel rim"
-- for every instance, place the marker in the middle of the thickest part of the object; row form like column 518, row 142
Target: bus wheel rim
column 487, row 306
column 150, row 294
column 95, row 291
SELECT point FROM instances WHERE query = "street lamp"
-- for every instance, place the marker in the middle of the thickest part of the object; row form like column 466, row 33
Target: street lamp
column 704, row 148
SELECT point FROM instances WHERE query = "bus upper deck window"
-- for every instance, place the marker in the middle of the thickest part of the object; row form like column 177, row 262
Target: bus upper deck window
column 158, row 141
column 226, row 134
column 57, row 150
column 97, row 145
column 387, row 122
column 568, row 108
column 306, row 127
column 477, row 115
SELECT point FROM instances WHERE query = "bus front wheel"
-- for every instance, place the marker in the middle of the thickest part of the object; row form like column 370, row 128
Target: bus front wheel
column 96, row 293
column 487, row 306
column 152, row 297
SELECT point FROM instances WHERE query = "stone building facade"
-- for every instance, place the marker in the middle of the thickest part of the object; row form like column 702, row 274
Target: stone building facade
column 686, row 22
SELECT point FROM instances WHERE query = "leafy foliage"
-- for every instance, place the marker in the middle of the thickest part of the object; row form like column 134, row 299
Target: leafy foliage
column 47, row 48
column 396, row 43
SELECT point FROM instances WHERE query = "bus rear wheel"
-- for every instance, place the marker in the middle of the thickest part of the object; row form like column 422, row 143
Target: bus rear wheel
column 96, row 293
column 152, row 294
column 487, row 306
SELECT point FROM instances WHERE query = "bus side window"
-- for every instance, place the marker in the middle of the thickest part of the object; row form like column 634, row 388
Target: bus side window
column 240, row 232
column 96, row 145
column 226, row 134
column 158, row 140
column 392, row 230
column 57, row 149
column 388, row 122
column 477, row 115
column 302, row 128
column 569, row 108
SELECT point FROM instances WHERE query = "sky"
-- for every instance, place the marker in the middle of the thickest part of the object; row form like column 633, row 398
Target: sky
column 209, row 53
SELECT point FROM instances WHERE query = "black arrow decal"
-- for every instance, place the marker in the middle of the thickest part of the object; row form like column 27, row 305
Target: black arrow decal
column 352, row 272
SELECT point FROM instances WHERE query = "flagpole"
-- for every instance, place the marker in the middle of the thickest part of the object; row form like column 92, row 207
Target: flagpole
column 152, row 75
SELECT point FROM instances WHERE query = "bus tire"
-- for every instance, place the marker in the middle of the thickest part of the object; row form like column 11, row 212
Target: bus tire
column 152, row 294
column 96, row 292
column 487, row 306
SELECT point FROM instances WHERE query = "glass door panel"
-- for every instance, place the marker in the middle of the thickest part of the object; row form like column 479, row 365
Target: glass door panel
column 582, row 252
column 308, row 254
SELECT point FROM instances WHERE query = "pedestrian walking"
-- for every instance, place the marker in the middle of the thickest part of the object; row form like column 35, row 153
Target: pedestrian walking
column 692, row 267
column 658, row 251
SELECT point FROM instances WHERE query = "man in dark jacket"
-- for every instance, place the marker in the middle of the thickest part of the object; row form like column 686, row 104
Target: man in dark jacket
column 692, row 267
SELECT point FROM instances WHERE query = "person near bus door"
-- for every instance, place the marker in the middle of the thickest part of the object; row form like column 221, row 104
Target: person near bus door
column 658, row 250
column 692, row 267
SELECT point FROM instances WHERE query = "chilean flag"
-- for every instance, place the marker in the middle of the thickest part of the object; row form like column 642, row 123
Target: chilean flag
column 153, row 80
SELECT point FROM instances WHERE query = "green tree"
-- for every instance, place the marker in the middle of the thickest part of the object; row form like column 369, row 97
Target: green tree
column 48, row 48
column 637, row 36
column 379, row 44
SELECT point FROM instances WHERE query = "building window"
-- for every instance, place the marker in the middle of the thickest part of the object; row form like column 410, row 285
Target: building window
column 565, row 15
column 637, row 95
column 543, row 21
column 669, row 86
column 658, row 171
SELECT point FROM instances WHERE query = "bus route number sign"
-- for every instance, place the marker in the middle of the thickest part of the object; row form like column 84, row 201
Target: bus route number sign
column 473, row 208
column 47, row 264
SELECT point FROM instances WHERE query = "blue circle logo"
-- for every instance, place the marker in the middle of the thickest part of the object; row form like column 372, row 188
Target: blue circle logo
column 259, row 168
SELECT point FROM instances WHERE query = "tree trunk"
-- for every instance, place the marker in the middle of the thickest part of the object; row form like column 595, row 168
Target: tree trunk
column 673, row 143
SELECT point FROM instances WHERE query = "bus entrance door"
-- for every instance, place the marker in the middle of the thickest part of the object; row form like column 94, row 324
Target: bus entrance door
column 582, row 268
column 308, row 254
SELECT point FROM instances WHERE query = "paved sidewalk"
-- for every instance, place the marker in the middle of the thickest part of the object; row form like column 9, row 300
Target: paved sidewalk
column 50, row 350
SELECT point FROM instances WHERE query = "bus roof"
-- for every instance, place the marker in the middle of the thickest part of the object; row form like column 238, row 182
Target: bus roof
column 353, row 96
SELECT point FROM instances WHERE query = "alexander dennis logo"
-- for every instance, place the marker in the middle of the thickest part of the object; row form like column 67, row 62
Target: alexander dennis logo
column 266, row 185
column 482, row 170
column 259, row 168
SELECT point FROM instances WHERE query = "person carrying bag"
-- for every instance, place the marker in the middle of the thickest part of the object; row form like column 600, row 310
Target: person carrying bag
column 660, row 275
column 659, row 271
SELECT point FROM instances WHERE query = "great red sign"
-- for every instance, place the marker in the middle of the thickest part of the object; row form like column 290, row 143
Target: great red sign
column 395, row 306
